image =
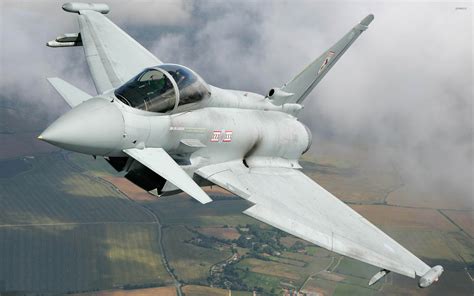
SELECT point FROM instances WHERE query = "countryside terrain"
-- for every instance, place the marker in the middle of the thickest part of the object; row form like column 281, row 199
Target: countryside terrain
column 70, row 224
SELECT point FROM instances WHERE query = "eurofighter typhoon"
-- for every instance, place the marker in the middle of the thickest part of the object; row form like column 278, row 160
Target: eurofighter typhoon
column 170, row 131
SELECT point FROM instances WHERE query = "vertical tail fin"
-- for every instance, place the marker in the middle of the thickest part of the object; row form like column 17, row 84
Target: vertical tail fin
column 296, row 90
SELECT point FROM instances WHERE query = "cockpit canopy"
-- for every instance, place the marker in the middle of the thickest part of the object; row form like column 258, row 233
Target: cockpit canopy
column 163, row 88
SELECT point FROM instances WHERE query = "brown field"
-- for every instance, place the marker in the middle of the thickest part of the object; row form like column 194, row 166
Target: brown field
column 271, row 268
column 161, row 291
column 318, row 291
column 193, row 290
column 136, row 193
column 288, row 261
column 397, row 217
column 297, row 256
column 191, row 263
column 323, row 284
column 281, row 269
column 289, row 241
column 220, row 232
column 216, row 190
column 350, row 173
column 433, row 198
column 361, row 187
column 204, row 291
column 435, row 245
column 131, row 190
column 331, row 276
column 463, row 219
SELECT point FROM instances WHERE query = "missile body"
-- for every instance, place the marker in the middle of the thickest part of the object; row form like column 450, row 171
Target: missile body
column 431, row 276
column 76, row 7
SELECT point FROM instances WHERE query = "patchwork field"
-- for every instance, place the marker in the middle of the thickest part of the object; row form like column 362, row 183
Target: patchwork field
column 161, row 291
column 405, row 218
column 224, row 233
column 193, row 290
column 190, row 263
column 463, row 219
column 68, row 223
column 62, row 230
column 288, row 271
column 350, row 175
column 69, row 258
column 433, row 198
column 128, row 188
column 182, row 210
column 53, row 191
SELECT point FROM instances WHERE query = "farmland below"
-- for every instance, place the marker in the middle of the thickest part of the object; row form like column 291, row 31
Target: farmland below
column 70, row 224
column 62, row 230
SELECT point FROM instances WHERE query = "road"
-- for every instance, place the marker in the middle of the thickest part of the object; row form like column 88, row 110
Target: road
column 159, row 226
column 156, row 221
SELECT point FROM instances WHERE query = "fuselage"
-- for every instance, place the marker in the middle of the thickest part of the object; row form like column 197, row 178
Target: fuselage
column 229, row 125
column 172, row 108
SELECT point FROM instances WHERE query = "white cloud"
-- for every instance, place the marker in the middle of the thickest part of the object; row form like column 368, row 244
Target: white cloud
column 151, row 12
column 405, row 84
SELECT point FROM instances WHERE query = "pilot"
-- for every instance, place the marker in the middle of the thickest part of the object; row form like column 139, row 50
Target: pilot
column 156, row 83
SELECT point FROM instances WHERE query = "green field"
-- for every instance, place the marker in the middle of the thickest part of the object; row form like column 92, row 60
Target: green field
column 89, row 165
column 191, row 263
column 62, row 230
column 193, row 290
column 181, row 210
column 53, row 191
column 79, row 257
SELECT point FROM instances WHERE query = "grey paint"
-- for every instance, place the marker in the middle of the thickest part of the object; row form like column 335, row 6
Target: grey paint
column 71, row 94
column 246, row 143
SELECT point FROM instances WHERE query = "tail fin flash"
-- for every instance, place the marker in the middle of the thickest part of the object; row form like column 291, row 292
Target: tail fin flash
column 299, row 87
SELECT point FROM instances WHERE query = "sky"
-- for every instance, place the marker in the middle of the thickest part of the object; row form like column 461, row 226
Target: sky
column 404, row 89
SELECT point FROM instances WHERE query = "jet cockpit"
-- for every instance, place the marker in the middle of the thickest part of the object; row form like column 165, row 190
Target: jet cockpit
column 163, row 89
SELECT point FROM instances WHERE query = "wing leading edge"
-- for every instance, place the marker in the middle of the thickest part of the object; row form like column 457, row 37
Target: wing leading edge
column 297, row 89
column 112, row 55
column 157, row 160
column 291, row 201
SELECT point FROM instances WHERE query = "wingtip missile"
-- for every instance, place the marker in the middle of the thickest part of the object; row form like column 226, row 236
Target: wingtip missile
column 378, row 276
column 367, row 20
column 76, row 7
column 431, row 276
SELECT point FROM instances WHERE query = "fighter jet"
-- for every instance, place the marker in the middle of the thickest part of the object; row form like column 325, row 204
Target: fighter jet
column 169, row 131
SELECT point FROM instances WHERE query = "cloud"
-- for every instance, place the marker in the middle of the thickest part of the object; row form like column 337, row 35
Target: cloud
column 26, row 26
column 404, row 88
column 152, row 13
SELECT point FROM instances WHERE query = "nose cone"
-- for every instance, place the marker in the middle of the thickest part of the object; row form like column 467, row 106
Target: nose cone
column 94, row 127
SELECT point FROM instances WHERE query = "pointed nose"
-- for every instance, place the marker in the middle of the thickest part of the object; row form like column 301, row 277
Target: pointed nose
column 94, row 127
